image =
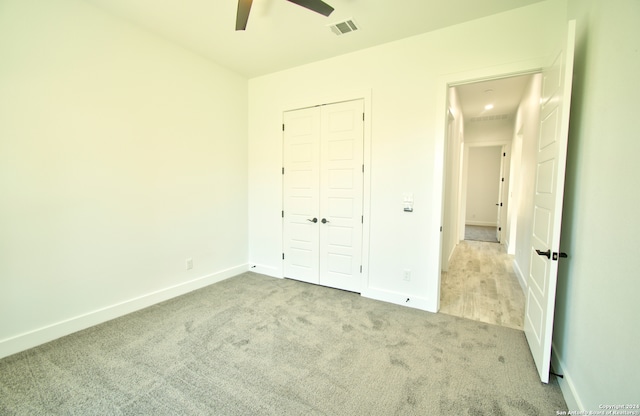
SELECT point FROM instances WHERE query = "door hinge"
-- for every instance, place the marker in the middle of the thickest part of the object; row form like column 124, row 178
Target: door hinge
column 362, row 168
column 441, row 228
column 282, row 126
column 499, row 228
column 282, row 214
column 503, row 155
column 283, row 170
column 502, row 179
column 363, row 119
column 282, row 256
column 360, row 268
column 362, row 219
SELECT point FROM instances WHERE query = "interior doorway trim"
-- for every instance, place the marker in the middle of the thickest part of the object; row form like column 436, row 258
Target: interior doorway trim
column 443, row 84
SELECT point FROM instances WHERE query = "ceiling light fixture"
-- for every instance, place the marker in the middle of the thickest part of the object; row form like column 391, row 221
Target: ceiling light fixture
column 488, row 107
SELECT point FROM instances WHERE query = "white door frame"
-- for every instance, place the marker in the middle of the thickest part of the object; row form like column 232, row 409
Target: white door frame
column 504, row 206
column 444, row 83
column 331, row 98
column 446, row 236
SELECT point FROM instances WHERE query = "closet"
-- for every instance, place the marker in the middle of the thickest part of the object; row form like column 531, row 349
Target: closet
column 323, row 194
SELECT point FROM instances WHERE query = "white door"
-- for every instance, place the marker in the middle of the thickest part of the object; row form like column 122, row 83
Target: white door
column 550, row 171
column 341, row 187
column 301, row 185
column 323, row 194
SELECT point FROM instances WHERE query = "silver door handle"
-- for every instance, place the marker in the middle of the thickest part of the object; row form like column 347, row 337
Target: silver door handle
column 324, row 221
column 315, row 220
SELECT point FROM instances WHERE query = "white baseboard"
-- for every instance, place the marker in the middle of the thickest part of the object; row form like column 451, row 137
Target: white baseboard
column 266, row 270
column 15, row 344
column 401, row 299
column 451, row 252
column 450, row 256
column 566, row 384
column 482, row 223
column 520, row 275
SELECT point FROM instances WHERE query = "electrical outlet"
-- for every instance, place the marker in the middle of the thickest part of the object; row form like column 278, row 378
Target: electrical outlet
column 189, row 264
column 407, row 275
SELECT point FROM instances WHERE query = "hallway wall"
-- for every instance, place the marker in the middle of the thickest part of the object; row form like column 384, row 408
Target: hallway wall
column 483, row 180
column 527, row 124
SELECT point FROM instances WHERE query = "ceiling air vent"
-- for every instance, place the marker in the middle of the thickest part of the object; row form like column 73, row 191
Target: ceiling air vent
column 343, row 27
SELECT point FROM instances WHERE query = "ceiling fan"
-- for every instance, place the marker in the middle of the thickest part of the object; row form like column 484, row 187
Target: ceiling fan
column 244, row 7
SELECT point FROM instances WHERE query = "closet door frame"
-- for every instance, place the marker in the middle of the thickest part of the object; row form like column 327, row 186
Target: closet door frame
column 365, row 96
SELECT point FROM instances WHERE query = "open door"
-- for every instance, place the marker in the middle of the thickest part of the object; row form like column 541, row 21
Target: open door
column 547, row 216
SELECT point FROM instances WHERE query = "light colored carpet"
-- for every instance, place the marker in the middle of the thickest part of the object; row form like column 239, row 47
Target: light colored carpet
column 480, row 233
column 253, row 345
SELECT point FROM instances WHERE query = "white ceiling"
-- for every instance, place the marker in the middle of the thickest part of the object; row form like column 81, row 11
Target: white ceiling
column 504, row 94
column 283, row 35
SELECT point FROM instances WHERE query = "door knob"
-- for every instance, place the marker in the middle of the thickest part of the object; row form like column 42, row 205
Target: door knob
column 315, row 220
column 324, row 221
column 547, row 253
column 561, row 255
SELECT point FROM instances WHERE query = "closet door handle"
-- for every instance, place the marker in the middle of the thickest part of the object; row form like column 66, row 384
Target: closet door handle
column 315, row 220
column 324, row 221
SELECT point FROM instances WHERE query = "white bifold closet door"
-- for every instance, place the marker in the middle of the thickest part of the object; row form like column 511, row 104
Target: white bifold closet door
column 323, row 194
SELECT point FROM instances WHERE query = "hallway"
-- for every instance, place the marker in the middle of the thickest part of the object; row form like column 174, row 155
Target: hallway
column 481, row 285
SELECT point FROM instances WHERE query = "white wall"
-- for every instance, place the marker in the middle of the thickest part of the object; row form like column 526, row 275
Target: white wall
column 596, row 334
column 121, row 156
column 527, row 126
column 489, row 132
column 513, row 192
column 451, row 223
column 483, row 176
column 408, row 83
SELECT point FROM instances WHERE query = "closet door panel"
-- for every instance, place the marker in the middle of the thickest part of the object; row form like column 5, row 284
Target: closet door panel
column 301, row 190
column 341, row 193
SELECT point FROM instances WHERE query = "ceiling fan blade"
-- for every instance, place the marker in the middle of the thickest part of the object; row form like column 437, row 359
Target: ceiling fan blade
column 317, row 6
column 244, row 7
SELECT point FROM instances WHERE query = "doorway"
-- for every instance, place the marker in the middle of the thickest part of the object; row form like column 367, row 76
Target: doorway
column 481, row 281
column 483, row 191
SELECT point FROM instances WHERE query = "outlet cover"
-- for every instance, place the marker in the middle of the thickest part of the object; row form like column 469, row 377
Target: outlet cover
column 407, row 275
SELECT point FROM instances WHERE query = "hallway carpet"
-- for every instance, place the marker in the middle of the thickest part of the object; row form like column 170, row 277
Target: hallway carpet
column 480, row 233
